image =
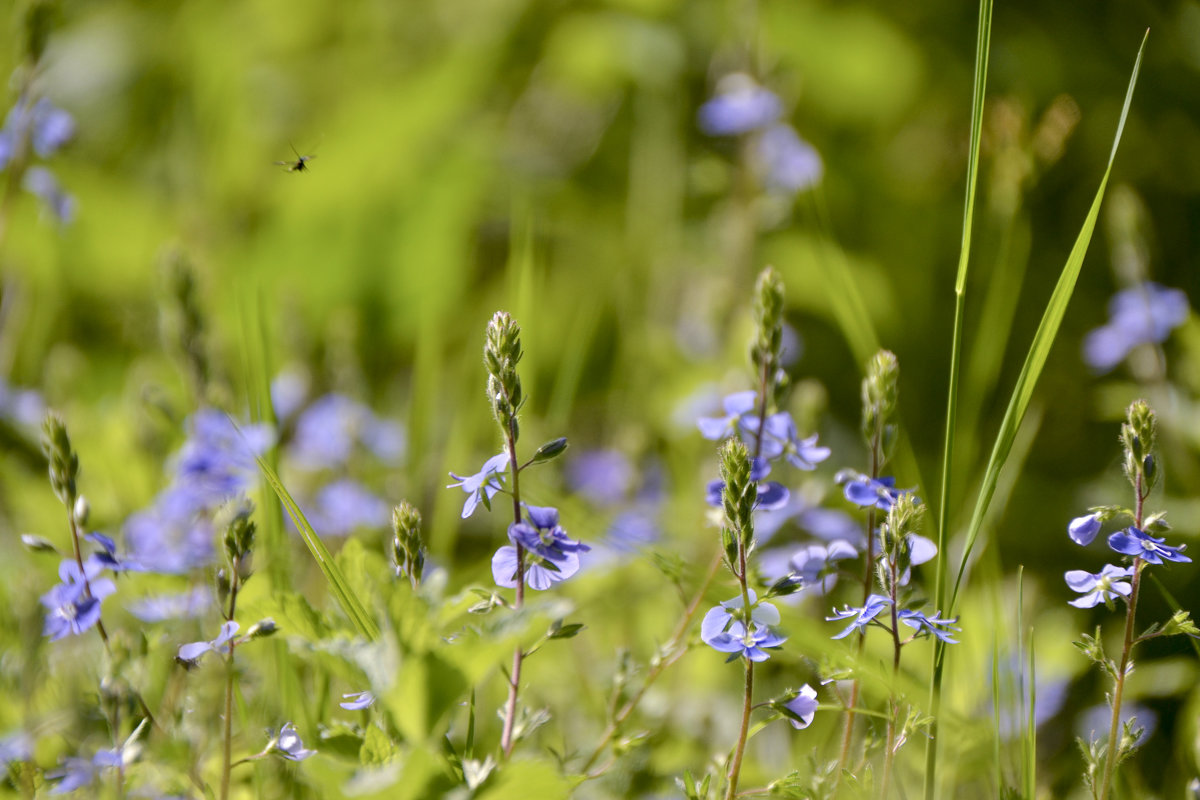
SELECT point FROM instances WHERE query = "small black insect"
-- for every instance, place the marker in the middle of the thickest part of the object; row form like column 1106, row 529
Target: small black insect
column 299, row 165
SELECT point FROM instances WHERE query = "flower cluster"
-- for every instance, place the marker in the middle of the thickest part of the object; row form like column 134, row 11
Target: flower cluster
column 726, row 629
column 741, row 107
column 41, row 127
column 1142, row 314
column 215, row 464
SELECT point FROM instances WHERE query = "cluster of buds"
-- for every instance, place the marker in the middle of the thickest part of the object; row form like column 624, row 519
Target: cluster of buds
column 408, row 550
column 501, row 354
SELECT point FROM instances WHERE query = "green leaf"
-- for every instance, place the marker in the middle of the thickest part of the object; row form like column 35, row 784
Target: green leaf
column 377, row 749
column 522, row 780
column 426, row 689
column 341, row 740
column 345, row 596
column 560, row 631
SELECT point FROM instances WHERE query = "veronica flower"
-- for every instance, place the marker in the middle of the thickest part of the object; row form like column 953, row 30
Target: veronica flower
column 107, row 557
column 602, row 476
column 79, row 772
column 1103, row 587
column 15, row 747
column 194, row 651
column 814, row 564
column 789, row 163
column 1083, row 530
column 356, row 701
column 329, row 429
column 41, row 183
column 771, row 496
column 345, row 506
column 24, row 407
column 159, row 608
column 721, row 616
column 1142, row 314
column 1137, row 543
column 924, row 623
column 803, row 706
column 752, row 645
column 483, row 485
column 861, row 617
column 739, row 106
column 780, row 438
column 71, row 608
column 879, row 492
column 737, row 406
column 289, row 745
column 550, row 555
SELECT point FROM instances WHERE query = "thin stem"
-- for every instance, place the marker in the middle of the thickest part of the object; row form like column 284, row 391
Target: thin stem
column 227, row 748
column 735, row 768
column 674, row 651
column 848, row 732
column 514, row 682
column 890, row 753
column 1110, row 756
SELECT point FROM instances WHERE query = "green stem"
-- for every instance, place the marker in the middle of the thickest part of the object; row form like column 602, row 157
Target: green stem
column 735, row 767
column 890, row 754
column 227, row 748
column 514, row 681
column 1110, row 756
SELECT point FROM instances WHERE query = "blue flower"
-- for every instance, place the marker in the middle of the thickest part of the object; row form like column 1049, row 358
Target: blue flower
column 107, row 557
column 15, row 747
column 194, row 651
column 723, row 628
column 803, row 706
column 172, row 536
column 356, row 701
column 73, row 606
column 329, row 429
column 47, row 127
column 789, row 163
column 159, row 608
column 721, row 616
column 602, row 476
column 1137, row 543
column 79, row 772
column 923, row 623
column 1083, row 530
column 879, row 492
column 814, row 564
column 41, row 183
column 1142, row 314
column 24, row 407
column 345, row 506
column 862, row 617
column 739, row 106
column 289, row 745
column 218, row 460
column 736, row 406
column 1102, row 587
column 771, row 496
column 483, row 485
column 753, row 645
column 550, row 555
column 780, row 438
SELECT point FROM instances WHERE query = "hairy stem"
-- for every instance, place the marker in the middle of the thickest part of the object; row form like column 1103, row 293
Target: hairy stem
column 735, row 767
column 514, row 681
column 1110, row 756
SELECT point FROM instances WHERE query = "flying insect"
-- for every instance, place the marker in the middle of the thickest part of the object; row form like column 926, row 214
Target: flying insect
column 299, row 165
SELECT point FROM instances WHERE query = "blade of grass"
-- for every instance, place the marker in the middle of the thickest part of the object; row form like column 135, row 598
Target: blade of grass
column 345, row 596
column 982, row 48
column 1035, row 360
column 1031, row 727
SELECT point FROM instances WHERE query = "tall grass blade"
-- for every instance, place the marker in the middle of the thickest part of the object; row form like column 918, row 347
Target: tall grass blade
column 345, row 596
column 982, row 47
column 1035, row 360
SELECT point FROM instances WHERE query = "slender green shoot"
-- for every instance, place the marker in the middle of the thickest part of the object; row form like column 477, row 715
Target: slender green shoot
column 342, row 591
column 1035, row 361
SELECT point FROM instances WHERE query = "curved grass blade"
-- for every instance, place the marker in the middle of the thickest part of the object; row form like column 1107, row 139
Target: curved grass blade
column 1039, row 350
column 346, row 598
column 1035, row 360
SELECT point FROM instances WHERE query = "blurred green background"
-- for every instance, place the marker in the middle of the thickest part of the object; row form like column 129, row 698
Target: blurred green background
column 543, row 157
